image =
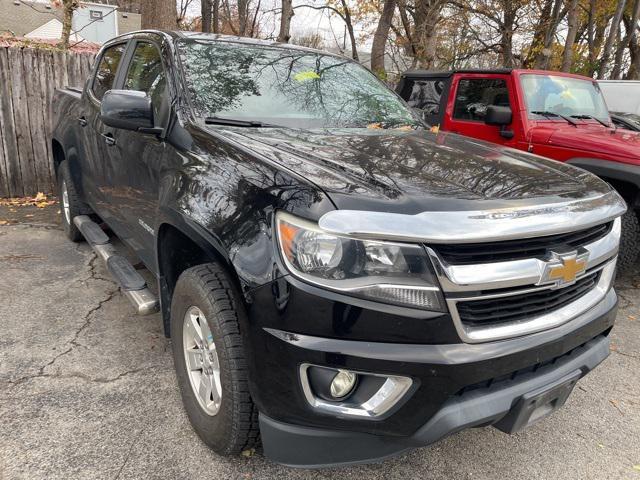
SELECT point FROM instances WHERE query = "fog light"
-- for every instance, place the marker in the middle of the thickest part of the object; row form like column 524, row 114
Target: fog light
column 343, row 383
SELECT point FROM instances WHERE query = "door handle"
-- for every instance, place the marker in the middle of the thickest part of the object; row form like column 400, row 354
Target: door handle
column 108, row 139
column 82, row 121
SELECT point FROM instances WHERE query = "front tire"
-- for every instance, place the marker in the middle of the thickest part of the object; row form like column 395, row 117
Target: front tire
column 629, row 242
column 209, row 359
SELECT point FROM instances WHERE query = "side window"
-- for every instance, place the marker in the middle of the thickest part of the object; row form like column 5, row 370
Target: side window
column 107, row 68
column 425, row 95
column 146, row 74
column 474, row 95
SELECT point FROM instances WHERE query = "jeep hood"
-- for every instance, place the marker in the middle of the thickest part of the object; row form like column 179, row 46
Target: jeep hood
column 590, row 140
column 410, row 172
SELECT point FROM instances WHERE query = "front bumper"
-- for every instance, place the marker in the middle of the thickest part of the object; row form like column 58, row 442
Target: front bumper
column 457, row 385
column 301, row 446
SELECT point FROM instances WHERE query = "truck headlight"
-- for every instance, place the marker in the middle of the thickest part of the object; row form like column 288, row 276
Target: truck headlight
column 394, row 273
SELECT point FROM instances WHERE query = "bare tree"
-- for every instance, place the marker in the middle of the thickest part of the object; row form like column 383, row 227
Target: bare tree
column 69, row 7
column 205, row 12
column 613, row 32
column 380, row 38
column 345, row 15
column 159, row 14
column 572, row 31
column 285, row 21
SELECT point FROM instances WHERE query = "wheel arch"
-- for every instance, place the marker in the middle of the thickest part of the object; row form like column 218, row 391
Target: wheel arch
column 625, row 178
column 182, row 244
column 57, row 152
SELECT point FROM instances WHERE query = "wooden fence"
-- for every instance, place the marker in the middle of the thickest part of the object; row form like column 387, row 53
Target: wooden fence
column 28, row 78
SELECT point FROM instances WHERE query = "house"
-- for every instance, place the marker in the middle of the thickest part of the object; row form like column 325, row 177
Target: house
column 92, row 22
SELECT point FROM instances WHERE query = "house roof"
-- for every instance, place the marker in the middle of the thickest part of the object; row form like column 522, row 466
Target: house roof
column 24, row 16
column 52, row 30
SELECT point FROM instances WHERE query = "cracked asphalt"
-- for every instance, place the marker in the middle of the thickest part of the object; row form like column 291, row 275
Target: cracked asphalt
column 87, row 390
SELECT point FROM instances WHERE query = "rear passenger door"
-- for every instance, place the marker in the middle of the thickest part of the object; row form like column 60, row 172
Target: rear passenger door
column 136, row 157
column 471, row 95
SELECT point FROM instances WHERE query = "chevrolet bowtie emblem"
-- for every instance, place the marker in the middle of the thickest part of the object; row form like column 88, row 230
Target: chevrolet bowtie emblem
column 563, row 269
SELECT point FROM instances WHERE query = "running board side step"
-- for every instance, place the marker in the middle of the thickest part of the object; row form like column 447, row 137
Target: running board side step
column 131, row 282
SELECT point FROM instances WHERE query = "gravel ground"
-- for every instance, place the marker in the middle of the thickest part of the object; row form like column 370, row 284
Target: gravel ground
column 87, row 390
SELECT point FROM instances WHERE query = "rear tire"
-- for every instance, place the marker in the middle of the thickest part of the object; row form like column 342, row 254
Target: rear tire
column 629, row 242
column 70, row 204
column 230, row 425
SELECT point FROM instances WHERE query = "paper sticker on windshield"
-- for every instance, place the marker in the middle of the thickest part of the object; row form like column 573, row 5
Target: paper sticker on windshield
column 305, row 76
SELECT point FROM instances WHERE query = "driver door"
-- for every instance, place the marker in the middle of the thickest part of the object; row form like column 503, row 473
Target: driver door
column 468, row 105
column 137, row 158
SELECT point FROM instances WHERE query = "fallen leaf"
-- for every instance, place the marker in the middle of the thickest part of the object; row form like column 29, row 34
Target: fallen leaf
column 249, row 453
column 40, row 197
column 28, row 216
column 4, row 222
column 631, row 317
column 601, row 445
column 636, row 467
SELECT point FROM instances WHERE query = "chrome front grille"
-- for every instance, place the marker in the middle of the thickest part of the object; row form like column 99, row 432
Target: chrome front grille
column 520, row 306
column 477, row 253
column 494, row 300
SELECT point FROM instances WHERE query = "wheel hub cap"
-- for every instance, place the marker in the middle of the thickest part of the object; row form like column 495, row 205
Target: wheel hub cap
column 201, row 359
column 65, row 202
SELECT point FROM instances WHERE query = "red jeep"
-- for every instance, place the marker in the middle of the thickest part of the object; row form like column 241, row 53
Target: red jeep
column 556, row 115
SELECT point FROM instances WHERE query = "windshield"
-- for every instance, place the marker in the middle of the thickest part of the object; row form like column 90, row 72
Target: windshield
column 281, row 86
column 563, row 96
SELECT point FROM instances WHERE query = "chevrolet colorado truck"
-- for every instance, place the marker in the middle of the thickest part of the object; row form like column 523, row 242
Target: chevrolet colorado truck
column 557, row 115
column 339, row 284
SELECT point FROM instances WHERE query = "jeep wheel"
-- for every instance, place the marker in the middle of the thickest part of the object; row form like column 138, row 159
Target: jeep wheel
column 630, row 242
column 209, row 359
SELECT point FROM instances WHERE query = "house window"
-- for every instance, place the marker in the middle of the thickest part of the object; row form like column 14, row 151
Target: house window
column 95, row 15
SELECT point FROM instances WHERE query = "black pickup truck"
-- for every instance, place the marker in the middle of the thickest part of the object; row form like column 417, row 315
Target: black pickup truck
column 339, row 283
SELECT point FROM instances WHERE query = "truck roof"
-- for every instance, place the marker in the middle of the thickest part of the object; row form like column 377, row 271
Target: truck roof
column 175, row 34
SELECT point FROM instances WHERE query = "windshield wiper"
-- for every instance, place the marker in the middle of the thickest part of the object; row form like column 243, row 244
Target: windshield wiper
column 553, row 114
column 591, row 117
column 234, row 122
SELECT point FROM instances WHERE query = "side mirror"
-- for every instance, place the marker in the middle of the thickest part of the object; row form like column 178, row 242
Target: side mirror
column 127, row 109
column 498, row 115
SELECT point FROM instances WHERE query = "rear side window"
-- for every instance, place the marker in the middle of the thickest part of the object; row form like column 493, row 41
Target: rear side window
column 426, row 95
column 146, row 74
column 474, row 95
column 107, row 68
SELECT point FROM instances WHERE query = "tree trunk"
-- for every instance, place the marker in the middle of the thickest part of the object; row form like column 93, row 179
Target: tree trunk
column 537, row 44
column 572, row 18
column 285, row 21
column 617, row 57
column 506, row 34
column 608, row 45
column 243, row 12
column 542, row 59
column 352, row 36
column 380, row 38
column 215, row 17
column 159, row 14
column 205, row 10
column 631, row 27
column 69, row 7
column 427, row 17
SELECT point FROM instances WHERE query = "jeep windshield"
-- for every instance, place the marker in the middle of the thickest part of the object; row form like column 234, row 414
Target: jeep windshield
column 286, row 87
column 548, row 95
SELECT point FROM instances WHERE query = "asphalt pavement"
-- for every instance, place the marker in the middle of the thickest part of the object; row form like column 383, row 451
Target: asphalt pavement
column 87, row 390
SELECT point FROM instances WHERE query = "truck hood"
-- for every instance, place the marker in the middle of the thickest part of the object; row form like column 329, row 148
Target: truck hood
column 624, row 145
column 410, row 172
